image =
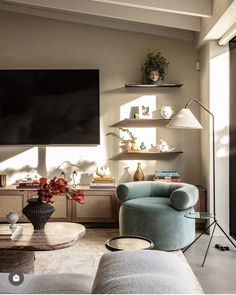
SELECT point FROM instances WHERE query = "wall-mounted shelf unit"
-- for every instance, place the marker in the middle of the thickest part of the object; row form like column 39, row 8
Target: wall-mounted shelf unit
column 144, row 155
column 142, row 123
column 154, row 85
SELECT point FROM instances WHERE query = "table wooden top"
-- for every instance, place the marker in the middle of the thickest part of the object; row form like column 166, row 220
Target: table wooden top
column 56, row 235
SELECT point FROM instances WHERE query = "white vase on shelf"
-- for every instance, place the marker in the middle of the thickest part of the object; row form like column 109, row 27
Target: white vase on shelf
column 126, row 176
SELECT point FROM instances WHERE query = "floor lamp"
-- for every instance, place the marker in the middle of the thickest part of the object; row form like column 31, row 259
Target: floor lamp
column 185, row 119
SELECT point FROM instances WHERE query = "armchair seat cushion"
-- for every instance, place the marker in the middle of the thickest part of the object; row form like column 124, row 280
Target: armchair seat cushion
column 152, row 205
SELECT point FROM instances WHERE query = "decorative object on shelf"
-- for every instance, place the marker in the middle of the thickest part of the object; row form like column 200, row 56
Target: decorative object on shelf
column 134, row 112
column 12, row 218
column 63, row 173
column 126, row 176
column 154, row 68
column 103, row 171
column 134, row 146
column 153, row 149
column 3, row 180
column 126, row 144
column 142, row 146
column 145, row 112
column 38, row 210
column 104, row 182
column 86, row 178
column 164, row 147
column 138, row 175
column 136, row 115
column 167, row 176
column 167, row 112
column 133, row 139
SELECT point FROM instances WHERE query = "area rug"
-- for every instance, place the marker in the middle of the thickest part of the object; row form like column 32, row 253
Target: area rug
column 84, row 256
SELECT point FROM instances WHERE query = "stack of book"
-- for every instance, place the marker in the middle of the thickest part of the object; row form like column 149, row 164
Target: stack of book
column 103, row 183
column 9, row 233
column 28, row 185
column 168, row 176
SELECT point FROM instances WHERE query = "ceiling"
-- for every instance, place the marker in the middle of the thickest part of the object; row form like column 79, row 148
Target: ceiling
column 174, row 18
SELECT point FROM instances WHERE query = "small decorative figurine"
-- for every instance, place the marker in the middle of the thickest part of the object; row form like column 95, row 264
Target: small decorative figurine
column 142, row 146
column 103, row 171
column 164, row 147
column 153, row 149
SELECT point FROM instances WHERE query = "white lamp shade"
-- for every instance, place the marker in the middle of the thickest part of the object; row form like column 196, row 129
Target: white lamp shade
column 184, row 119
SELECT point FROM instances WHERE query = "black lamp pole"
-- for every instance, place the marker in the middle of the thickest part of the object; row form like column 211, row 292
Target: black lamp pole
column 215, row 222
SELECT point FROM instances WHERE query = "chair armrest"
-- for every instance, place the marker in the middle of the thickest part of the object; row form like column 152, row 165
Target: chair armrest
column 134, row 190
column 184, row 197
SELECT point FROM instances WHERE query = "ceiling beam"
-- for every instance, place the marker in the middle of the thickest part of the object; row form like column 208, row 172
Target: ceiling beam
column 118, row 12
column 106, row 23
column 200, row 8
column 214, row 28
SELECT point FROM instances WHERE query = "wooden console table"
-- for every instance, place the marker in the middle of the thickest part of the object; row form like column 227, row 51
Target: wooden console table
column 101, row 205
column 18, row 254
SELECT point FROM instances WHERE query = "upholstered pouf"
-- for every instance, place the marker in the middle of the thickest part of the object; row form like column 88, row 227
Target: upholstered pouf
column 156, row 210
column 145, row 272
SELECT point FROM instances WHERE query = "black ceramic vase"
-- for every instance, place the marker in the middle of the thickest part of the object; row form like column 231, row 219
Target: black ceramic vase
column 38, row 213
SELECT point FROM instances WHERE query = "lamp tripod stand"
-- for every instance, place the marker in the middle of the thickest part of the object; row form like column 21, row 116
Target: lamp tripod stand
column 185, row 119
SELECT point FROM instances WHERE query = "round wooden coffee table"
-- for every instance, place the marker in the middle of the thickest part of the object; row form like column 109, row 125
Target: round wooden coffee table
column 18, row 254
column 129, row 243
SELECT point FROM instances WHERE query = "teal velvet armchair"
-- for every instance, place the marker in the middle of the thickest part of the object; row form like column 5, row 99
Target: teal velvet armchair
column 156, row 210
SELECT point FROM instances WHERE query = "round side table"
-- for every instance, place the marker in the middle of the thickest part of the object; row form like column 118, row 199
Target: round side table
column 120, row 243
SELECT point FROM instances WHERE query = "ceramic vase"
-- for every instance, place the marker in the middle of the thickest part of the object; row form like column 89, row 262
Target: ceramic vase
column 12, row 218
column 134, row 145
column 38, row 213
column 138, row 175
column 167, row 112
column 126, row 176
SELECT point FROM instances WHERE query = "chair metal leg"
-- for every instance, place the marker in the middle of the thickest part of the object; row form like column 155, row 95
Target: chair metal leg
column 209, row 243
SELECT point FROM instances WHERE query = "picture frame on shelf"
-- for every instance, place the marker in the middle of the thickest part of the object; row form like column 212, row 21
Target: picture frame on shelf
column 145, row 112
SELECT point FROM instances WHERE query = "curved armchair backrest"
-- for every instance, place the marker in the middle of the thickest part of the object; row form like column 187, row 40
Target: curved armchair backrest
column 182, row 195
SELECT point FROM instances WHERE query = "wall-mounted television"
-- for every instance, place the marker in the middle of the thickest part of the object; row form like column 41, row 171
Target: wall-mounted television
column 49, row 107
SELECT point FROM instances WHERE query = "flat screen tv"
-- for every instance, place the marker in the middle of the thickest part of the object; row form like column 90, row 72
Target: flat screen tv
column 55, row 107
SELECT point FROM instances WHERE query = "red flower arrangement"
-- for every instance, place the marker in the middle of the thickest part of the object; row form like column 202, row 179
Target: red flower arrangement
column 57, row 186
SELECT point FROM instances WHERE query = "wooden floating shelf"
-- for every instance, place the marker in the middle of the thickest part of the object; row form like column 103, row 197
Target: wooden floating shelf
column 139, row 123
column 154, row 85
column 144, row 155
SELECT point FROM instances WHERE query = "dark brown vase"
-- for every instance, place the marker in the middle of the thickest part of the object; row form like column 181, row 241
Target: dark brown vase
column 138, row 175
column 38, row 213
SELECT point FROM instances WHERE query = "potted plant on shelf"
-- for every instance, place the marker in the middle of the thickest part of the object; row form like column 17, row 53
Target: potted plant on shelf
column 154, row 68
column 39, row 209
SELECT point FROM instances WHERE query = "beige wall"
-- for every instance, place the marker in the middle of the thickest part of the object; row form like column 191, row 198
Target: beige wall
column 31, row 42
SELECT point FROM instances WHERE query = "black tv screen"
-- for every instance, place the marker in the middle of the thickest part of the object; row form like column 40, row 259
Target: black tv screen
column 40, row 107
